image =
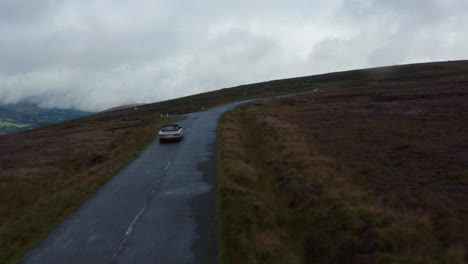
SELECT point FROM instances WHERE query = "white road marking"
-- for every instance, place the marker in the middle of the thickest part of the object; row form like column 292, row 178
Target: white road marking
column 135, row 220
column 167, row 166
column 132, row 225
column 138, row 216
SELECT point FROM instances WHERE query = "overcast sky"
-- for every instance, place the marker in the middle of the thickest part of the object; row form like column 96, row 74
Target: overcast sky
column 96, row 54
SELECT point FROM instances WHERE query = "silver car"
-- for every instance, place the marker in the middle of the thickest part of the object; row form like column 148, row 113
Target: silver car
column 171, row 132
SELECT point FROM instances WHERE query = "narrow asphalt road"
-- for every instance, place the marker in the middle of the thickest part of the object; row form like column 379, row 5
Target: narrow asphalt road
column 159, row 209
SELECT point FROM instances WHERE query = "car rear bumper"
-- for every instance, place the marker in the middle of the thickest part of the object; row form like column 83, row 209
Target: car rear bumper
column 170, row 137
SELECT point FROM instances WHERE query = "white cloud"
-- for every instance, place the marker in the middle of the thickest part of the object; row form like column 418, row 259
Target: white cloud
column 96, row 54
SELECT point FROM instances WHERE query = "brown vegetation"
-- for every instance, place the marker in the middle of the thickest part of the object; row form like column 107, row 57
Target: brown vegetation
column 46, row 173
column 371, row 174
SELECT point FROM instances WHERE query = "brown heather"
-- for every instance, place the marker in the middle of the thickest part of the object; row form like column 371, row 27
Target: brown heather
column 47, row 173
column 365, row 175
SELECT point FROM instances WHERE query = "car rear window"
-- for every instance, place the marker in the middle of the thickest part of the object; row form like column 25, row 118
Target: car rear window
column 169, row 128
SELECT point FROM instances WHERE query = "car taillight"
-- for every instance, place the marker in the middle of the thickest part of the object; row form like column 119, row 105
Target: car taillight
column 176, row 134
column 161, row 135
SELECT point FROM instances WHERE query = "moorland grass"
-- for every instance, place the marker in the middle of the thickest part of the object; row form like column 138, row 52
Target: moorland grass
column 287, row 195
column 58, row 168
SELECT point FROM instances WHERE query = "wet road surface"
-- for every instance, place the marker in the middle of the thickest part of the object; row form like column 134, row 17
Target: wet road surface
column 161, row 208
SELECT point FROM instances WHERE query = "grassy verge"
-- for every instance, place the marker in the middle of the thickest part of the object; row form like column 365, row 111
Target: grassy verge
column 345, row 177
column 56, row 169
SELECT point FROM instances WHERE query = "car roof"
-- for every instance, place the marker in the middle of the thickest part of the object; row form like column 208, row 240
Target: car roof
column 168, row 125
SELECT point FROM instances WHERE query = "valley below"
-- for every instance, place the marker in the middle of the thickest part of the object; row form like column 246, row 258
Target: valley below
column 18, row 117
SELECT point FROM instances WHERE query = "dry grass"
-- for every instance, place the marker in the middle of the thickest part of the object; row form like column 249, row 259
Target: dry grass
column 47, row 173
column 349, row 176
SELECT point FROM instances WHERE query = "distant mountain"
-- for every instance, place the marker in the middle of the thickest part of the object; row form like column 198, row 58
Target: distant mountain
column 22, row 116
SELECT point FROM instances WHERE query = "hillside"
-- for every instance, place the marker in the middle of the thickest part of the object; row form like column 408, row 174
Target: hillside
column 22, row 116
column 369, row 174
column 46, row 172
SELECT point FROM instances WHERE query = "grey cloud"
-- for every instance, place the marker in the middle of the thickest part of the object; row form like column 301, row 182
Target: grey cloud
column 94, row 55
column 238, row 46
column 394, row 32
column 24, row 11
